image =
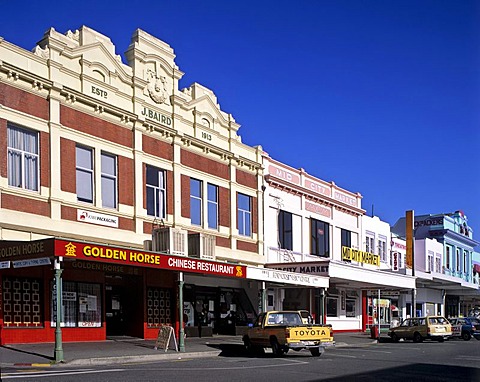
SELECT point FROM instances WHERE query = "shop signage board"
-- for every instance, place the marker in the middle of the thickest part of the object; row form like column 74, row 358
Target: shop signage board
column 166, row 338
column 31, row 262
column 128, row 256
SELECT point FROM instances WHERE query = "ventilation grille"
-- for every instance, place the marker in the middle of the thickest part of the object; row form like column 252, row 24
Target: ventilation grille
column 202, row 246
column 169, row 240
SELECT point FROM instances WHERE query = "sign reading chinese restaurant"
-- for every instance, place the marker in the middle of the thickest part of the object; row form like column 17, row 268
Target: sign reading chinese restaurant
column 351, row 254
column 125, row 256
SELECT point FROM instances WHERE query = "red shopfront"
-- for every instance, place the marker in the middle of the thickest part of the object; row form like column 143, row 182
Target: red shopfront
column 106, row 291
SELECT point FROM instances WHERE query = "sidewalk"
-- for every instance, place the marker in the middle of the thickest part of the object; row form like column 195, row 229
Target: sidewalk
column 126, row 349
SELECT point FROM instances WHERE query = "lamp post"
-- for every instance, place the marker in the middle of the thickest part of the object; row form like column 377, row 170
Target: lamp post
column 58, row 329
column 181, row 340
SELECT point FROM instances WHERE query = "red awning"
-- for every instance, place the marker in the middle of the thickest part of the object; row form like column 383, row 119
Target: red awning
column 476, row 268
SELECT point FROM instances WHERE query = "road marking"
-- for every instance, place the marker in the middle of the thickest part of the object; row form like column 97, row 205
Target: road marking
column 342, row 355
column 51, row 373
column 363, row 350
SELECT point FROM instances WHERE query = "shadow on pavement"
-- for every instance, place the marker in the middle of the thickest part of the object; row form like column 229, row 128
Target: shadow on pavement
column 50, row 358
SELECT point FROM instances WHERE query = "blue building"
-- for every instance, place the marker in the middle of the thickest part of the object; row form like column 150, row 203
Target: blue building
column 453, row 273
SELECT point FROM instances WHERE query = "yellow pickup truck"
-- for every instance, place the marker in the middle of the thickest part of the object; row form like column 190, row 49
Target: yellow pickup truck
column 285, row 330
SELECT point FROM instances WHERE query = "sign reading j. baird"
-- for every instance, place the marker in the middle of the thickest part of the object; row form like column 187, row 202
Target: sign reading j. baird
column 94, row 218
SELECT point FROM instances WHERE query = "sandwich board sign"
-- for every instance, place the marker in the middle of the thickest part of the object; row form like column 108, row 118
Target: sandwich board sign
column 166, row 338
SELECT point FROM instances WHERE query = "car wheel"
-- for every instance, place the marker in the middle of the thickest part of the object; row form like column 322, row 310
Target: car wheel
column 247, row 343
column 395, row 337
column 276, row 348
column 417, row 337
column 315, row 352
column 466, row 336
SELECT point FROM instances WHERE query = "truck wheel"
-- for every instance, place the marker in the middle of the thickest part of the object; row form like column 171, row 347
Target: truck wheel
column 276, row 348
column 315, row 352
column 466, row 336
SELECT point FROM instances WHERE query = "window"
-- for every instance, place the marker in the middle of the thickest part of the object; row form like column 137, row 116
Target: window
column 212, row 206
column 438, row 263
column 346, row 237
column 447, row 257
column 109, row 180
column 332, row 306
column 23, row 159
column 285, row 230
column 84, row 170
column 369, row 244
column 459, row 260
column 81, row 302
column 244, row 210
column 156, row 192
column 382, row 249
column 320, row 243
column 160, row 307
column 196, row 201
column 22, row 302
column 430, row 257
column 465, row 260
column 350, row 308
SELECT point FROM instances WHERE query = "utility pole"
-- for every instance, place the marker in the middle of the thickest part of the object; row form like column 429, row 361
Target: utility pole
column 410, row 233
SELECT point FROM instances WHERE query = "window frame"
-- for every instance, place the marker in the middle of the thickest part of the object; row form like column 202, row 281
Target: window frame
column 109, row 178
column 157, row 191
column 315, row 238
column 90, row 172
column 23, row 157
column 196, row 202
column 285, row 230
column 212, row 206
column 244, row 215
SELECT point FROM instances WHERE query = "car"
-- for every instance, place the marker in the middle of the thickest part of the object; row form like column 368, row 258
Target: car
column 465, row 327
column 419, row 328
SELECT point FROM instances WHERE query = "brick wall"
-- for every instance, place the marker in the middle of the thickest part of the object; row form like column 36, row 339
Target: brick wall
column 185, row 196
column 246, row 179
column 23, row 101
column 204, row 164
column 126, row 181
column 95, row 126
column 21, row 204
column 158, row 148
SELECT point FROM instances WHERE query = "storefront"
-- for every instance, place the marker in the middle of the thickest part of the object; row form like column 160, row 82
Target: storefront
column 113, row 291
column 357, row 297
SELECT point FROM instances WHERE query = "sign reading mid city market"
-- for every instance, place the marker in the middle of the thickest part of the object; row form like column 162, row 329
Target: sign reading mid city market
column 351, row 254
column 126, row 256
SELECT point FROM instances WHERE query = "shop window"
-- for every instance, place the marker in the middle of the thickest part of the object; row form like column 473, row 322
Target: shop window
column 159, row 307
column 285, row 239
column 332, row 306
column 350, row 307
column 109, row 180
column 81, row 305
column 22, row 302
column 23, row 158
column 320, row 242
column 244, row 214
column 156, row 192
column 84, row 174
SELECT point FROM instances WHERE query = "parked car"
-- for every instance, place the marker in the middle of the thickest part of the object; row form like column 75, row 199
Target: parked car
column 465, row 327
column 419, row 328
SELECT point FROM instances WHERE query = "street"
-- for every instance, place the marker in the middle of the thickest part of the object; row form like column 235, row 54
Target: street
column 453, row 360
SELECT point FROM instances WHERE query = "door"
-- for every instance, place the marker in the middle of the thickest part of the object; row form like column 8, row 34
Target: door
column 114, row 310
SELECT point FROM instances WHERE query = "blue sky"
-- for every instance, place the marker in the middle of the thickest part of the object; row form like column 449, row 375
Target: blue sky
column 382, row 97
